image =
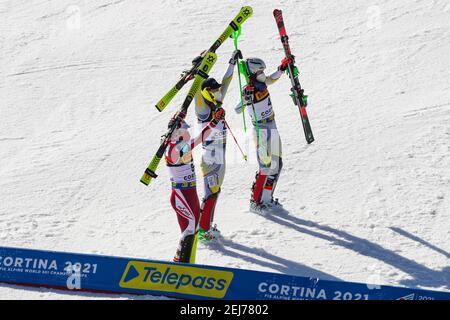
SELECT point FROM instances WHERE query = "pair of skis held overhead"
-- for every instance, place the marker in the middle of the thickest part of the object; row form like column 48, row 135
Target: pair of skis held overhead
column 200, row 71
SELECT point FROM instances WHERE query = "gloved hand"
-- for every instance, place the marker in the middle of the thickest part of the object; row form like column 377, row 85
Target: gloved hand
column 285, row 62
column 177, row 118
column 198, row 59
column 248, row 92
column 219, row 114
column 237, row 54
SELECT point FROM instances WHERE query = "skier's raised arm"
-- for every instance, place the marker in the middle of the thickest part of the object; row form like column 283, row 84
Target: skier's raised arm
column 277, row 74
column 218, row 115
column 228, row 76
column 273, row 77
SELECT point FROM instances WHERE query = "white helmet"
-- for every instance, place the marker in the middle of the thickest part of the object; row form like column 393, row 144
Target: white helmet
column 254, row 65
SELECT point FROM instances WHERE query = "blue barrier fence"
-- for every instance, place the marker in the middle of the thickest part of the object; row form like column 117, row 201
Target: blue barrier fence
column 87, row 272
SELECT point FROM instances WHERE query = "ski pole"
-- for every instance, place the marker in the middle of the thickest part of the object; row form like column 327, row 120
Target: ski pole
column 235, row 35
column 235, row 140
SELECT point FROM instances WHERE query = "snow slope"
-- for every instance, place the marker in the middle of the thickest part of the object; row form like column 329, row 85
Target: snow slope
column 369, row 201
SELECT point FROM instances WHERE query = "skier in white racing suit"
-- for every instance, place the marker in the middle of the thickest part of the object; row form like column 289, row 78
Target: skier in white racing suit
column 269, row 150
column 214, row 146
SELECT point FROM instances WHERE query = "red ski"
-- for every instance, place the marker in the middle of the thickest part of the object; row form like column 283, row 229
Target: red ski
column 298, row 96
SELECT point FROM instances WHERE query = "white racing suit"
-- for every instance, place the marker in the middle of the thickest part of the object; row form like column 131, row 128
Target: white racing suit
column 214, row 148
column 267, row 138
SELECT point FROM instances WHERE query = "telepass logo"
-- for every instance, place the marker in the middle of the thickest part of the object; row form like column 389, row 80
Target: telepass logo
column 176, row 279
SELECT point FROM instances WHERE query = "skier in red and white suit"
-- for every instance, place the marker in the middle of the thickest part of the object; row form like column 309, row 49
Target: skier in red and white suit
column 184, row 198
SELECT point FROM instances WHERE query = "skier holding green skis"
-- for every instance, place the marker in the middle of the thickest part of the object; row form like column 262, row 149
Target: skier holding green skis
column 269, row 152
column 184, row 197
column 207, row 101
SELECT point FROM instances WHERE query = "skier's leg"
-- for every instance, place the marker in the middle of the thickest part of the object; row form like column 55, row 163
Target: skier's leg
column 264, row 161
column 207, row 210
column 262, row 139
column 267, row 178
column 276, row 166
column 273, row 179
column 186, row 205
column 258, row 187
column 213, row 173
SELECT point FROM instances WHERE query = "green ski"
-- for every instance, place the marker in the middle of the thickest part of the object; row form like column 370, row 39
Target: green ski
column 202, row 73
column 235, row 35
column 234, row 25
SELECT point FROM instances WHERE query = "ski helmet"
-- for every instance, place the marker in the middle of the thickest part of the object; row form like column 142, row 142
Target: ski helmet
column 208, row 85
column 254, row 65
column 211, row 83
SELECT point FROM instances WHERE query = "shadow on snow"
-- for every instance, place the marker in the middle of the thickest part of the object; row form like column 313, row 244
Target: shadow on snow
column 420, row 275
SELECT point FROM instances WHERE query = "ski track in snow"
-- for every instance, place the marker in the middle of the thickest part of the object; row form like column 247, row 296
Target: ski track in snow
column 369, row 201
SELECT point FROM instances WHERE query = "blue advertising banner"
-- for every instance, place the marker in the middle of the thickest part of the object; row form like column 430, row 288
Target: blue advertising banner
column 96, row 273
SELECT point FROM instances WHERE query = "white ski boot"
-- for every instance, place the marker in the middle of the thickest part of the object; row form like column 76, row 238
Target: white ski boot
column 259, row 208
column 274, row 206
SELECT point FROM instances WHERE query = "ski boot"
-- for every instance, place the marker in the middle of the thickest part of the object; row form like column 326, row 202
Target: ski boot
column 259, row 208
column 264, row 208
column 276, row 207
column 186, row 251
column 208, row 236
column 275, row 204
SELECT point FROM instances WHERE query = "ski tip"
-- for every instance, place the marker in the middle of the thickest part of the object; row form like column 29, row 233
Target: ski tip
column 277, row 12
column 245, row 13
column 247, row 10
column 210, row 58
column 161, row 105
column 146, row 179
